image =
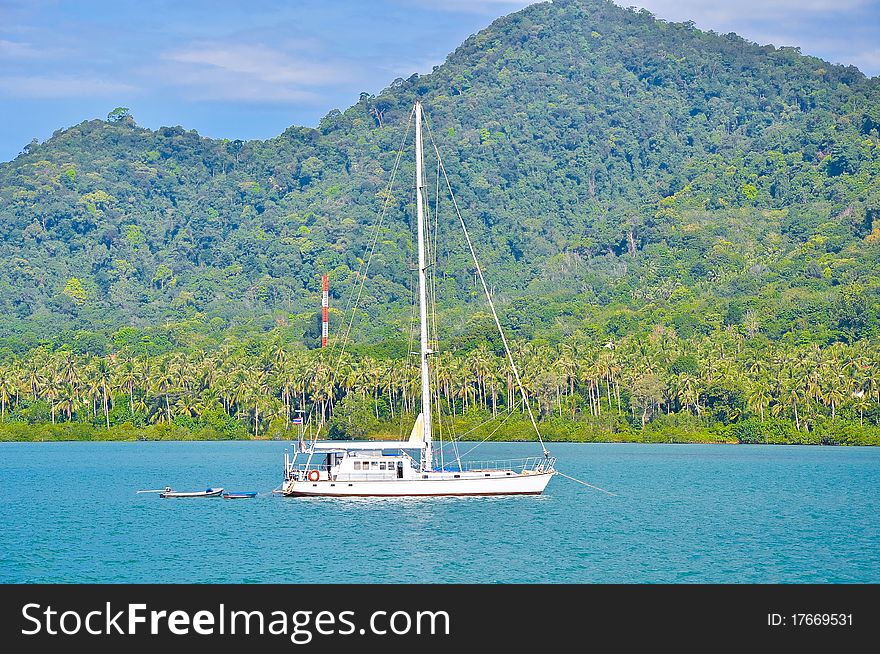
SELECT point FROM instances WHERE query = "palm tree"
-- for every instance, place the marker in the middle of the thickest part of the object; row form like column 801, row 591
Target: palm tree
column 163, row 382
column 128, row 374
column 102, row 376
column 285, row 380
column 387, row 382
column 70, row 399
column 791, row 395
column 861, row 404
column 141, row 407
column 688, row 392
column 51, row 392
column 7, row 389
column 35, row 377
column 187, row 405
column 758, row 398
column 259, row 394
column 834, row 395
column 69, row 367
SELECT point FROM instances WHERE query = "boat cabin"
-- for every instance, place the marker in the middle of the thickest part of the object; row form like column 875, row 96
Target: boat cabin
column 372, row 465
column 369, row 465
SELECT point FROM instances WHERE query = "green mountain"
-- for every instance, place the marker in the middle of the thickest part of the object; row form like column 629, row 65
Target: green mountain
column 618, row 172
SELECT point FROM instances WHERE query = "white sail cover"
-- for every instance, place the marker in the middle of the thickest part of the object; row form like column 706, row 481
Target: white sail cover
column 416, row 440
column 417, row 435
column 341, row 446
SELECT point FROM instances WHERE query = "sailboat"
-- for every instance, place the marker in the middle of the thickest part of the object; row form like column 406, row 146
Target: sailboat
column 331, row 468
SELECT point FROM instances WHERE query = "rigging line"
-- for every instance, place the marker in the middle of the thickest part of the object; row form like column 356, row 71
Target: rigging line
column 362, row 270
column 430, row 292
column 455, row 442
column 362, row 273
column 483, row 424
column 431, row 278
column 452, row 438
column 410, row 344
column 366, row 265
column 491, row 434
column 405, row 371
column 601, row 490
column 448, row 419
column 409, row 348
column 434, row 242
column 488, row 295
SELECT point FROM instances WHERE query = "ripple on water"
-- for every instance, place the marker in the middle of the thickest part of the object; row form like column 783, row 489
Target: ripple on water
column 683, row 514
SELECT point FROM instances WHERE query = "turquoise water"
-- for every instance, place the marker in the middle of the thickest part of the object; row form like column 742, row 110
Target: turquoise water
column 684, row 513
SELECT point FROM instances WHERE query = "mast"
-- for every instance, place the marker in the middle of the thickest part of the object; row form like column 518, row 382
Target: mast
column 427, row 459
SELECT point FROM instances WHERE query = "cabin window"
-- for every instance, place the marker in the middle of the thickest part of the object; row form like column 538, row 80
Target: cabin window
column 382, row 465
column 374, row 465
column 357, row 465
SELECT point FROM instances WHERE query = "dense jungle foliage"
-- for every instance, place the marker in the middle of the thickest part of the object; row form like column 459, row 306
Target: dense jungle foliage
column 726, row 387
column 627, row 181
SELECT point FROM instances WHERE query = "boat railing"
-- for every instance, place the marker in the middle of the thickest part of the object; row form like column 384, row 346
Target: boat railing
column 306, row 467
column 300, row 471
column 527, row 464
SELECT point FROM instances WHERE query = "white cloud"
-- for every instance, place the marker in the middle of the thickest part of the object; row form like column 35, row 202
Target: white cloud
column 472, row 6
column 726, row 11
column 404, row 69
column 259, row 62
column 250, row 72
column 61, row 87
column 215, row 84
column 868, row 60
column 17, row 50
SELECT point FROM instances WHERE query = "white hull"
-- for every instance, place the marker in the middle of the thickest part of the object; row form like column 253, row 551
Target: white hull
column 502, row 483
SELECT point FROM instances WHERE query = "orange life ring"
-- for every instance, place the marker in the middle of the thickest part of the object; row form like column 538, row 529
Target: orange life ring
column 314, row 475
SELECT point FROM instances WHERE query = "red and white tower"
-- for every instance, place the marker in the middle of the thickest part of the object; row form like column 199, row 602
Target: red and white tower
column 325, row 309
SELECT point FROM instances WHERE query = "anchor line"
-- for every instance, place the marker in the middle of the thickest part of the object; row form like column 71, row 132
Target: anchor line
column 602, row 490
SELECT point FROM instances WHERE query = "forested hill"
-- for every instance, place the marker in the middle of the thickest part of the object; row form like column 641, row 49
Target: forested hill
column 619, row 172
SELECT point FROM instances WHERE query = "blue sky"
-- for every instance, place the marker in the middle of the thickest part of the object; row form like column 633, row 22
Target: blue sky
column 250, row 69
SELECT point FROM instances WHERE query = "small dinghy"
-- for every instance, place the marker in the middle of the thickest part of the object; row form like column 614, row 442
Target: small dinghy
column 208, row 492
column 163, row 490
column 246, row 495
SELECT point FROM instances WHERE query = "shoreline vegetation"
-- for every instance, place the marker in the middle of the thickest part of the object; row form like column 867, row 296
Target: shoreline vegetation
column 722, row 388
column 473, row 429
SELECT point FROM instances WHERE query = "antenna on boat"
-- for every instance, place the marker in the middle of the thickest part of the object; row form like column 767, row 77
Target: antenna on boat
column 299, row 420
